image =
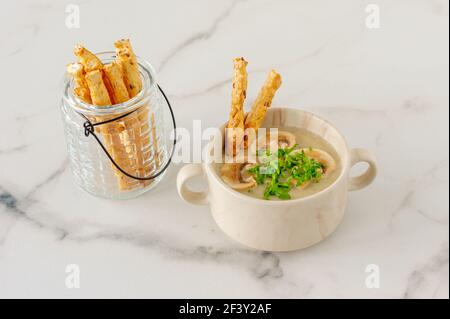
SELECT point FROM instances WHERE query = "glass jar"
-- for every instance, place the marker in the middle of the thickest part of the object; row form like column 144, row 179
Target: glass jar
column 135, row 136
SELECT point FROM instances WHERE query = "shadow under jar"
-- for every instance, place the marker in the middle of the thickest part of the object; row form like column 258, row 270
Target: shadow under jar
column 135, row 139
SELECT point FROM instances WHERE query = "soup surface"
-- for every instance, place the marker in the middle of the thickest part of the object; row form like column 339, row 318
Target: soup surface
column 305, row 140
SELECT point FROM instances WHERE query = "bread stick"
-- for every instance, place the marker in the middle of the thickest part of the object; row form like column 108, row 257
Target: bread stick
column 259, row 108
column 128, row 61
column 130, row 136
column 258, row 111
column 118, row 89
column 235, row 127
column 111, row 132
column 89, row 60
column 137, row 123
column 125, row 45
column 81, row 89
column 97, row 88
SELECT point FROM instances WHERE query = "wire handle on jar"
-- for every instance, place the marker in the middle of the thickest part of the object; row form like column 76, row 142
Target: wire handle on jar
column 89, row 130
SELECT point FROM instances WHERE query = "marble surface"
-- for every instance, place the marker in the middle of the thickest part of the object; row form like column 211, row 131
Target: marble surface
column 386, row 89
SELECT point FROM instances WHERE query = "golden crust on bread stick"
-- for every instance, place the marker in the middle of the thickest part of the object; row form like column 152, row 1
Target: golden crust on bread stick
column 76, row 70
column 235, row 127
column 258, row 111
column 129, row 137
column 118, row 89
column 89, row 60
column 110, row 132
column 124, row 45
column 97, row 88
column 128, row 62
column 259, row 108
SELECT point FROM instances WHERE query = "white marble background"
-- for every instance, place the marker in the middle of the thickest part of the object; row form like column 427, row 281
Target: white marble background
column 386, row 89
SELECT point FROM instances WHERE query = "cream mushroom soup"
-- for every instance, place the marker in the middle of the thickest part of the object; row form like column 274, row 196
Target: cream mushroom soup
column 301, row 165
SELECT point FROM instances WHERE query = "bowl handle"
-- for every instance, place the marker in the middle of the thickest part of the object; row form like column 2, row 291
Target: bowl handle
column 187, row 172
column 361, row 155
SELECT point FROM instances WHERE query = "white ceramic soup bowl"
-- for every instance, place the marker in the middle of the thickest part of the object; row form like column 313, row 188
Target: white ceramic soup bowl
column 273, row 225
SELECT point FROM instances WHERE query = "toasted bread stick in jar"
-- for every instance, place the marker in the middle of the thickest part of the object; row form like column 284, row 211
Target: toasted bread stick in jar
column 128, row 62
column 81, row 89
column 118, row 88
column 111, row 132
column 97, row 88
column 131, row 139
column 138, row 123
column 89, row 60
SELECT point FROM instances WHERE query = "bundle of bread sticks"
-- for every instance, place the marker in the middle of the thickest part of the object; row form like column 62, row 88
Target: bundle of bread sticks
column 128, row 140
column 238, row 134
